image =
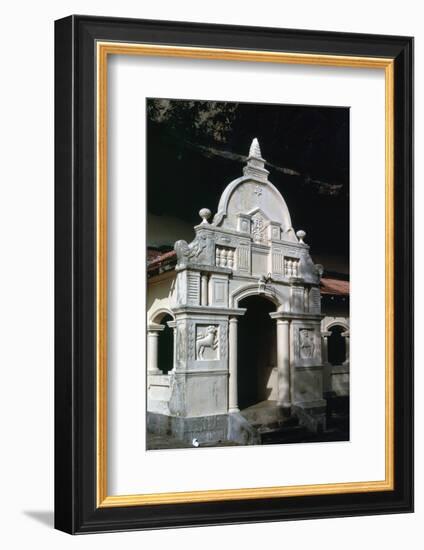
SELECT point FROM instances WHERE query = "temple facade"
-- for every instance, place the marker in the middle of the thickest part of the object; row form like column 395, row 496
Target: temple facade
column 246, row 271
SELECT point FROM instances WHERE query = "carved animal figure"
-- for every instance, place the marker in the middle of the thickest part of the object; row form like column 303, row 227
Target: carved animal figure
column 187, row 251
column 207, row 340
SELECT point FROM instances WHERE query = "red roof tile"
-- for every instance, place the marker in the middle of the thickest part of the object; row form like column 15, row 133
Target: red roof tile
column 156, row 258
column 334, row 287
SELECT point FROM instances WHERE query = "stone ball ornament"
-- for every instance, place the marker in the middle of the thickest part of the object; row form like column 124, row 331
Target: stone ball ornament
column 301, row 235
column 205, row 214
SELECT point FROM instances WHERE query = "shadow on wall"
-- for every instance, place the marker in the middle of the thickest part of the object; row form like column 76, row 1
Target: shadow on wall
column 257, row 354
column 45, row 517
column 166, row 346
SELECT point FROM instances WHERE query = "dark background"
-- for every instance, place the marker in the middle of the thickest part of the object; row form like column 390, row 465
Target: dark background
column 195, row 148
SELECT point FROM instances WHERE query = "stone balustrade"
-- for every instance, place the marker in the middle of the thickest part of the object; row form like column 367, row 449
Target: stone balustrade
column 224, row 257
column 291, row 267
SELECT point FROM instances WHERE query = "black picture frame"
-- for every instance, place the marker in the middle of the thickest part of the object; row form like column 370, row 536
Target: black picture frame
column 76, row 509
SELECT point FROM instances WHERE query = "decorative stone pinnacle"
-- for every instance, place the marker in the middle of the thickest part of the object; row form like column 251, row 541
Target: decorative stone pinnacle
column 255, row 166
column 301, row 235
column 255, row 150
column 205, row 214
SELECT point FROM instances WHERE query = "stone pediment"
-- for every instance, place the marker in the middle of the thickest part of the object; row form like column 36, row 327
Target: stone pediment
column 252, row 193
column 258, row 211
column 245, row 196
column 251, row 235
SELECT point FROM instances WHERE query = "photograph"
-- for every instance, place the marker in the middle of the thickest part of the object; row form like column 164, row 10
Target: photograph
column 232, row 204
column 208, row 213
column 247, row 273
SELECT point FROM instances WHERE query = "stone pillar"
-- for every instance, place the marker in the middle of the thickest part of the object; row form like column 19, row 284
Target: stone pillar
column 232, row 366
column 283, row 363
column 326, row 371
column 173, row 325
column 152, row 348
column 204, row 293
column 346, row 335
column 325, row 335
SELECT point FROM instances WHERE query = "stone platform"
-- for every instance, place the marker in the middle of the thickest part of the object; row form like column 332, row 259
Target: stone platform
column 264, row 423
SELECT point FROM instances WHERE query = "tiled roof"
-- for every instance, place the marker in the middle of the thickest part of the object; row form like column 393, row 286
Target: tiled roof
column 156, row 257
column 335, row 287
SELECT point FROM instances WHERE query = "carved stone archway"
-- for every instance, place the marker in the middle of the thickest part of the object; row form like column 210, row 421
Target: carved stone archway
column 158, row 314
column 154, row 329
column 258, row 289
column 249, row 248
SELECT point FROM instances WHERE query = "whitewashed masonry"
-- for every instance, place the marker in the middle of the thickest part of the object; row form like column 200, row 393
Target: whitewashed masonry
column 249, row 248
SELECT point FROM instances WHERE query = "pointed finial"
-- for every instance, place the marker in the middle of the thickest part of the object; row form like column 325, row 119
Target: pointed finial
column 255, row 166
column 255, row 150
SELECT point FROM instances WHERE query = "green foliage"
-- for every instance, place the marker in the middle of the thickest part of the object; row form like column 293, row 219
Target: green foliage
column 204, row 121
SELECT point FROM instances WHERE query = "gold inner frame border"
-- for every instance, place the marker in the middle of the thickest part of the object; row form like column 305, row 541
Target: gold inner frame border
column 103, row 50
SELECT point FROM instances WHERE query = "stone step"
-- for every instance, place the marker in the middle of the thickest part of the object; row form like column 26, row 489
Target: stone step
column 266, row 412
column 286, row 423
column 288, row 434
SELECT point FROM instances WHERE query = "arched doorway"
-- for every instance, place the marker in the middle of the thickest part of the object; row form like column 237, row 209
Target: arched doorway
column 336, row 345
column 257, row 355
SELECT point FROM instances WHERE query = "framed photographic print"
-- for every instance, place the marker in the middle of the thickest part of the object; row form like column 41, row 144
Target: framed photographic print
column 233, row 274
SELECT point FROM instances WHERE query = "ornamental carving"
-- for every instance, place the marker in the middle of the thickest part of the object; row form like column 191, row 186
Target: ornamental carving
column 223, row 340
column 207, row 343
column 191, row 341
column 306, row 343
column 192, row 251
column 258, row 228
column 181, row 344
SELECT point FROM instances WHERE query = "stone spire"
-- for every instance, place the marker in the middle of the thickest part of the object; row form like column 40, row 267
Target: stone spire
column 255, row 166
column 255, row 150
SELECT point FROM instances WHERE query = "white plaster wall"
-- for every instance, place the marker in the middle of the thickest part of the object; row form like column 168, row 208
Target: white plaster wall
column 158, row 292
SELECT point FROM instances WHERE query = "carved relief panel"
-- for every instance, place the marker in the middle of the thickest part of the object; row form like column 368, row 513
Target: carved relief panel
column 207, row 342
column 306, row 343
column 258, row 228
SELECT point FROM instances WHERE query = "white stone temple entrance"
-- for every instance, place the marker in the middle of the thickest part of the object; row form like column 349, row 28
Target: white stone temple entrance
column 246, row 312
